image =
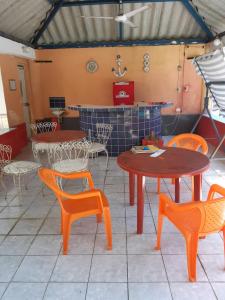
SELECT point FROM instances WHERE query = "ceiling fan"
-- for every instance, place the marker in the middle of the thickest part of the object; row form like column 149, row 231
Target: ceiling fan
column 121, row 17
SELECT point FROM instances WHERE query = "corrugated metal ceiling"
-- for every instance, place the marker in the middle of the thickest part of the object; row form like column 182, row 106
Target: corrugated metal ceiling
column 20, row 18
column 163, row 20
column 166, row 20
column 213, row 12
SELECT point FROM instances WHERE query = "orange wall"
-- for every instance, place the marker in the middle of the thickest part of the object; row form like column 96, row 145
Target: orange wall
column 67, row 76
column 37, row 95
column 8, row 65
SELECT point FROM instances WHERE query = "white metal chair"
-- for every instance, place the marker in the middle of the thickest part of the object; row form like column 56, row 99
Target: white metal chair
column 5, row 158
column 103, row 133
column 41, row 128
column 15, row 168
column 38, row 148
column 69, row 157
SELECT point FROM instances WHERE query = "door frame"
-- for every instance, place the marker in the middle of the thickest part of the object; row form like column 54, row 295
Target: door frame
column 25, row 104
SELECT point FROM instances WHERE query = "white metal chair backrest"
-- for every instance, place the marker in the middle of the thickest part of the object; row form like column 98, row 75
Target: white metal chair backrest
column 70, row 150
column 103, row 132
column 43, row 127
column 5, row 155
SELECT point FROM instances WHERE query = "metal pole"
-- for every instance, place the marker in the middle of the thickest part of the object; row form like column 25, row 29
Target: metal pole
column 206, row 101
column 217, row 148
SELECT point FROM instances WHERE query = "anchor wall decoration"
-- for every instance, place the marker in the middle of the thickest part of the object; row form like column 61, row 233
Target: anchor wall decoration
column 119, row 72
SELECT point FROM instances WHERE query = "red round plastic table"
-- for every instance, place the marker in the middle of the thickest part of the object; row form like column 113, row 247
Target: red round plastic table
column 59, row 136
column 173, row 163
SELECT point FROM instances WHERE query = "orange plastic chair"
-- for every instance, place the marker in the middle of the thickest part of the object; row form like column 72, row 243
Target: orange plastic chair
column 189, row 141
column 74, row 207
column 194, row 220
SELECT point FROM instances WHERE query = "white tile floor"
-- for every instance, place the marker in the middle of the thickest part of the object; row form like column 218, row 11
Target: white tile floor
column 32, row 266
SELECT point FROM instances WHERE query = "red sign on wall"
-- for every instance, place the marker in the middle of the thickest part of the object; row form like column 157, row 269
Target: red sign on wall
column 123, row 93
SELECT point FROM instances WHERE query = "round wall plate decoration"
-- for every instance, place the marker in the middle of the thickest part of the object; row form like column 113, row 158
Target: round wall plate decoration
column 146, row 56
column 146, row 62
column 91, row 66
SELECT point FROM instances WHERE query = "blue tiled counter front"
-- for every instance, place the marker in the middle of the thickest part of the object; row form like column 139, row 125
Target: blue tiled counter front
column 130, row 123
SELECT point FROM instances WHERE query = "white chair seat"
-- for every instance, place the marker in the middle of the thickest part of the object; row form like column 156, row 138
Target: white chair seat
column 70, row 165
column 21, row 167
column 97, row 147
column 45, row 146
column 41, row 146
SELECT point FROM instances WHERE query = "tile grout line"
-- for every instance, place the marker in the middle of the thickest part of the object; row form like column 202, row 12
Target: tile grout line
column 87, row 285
column 198, row 259
column 128, row 290
column 49, row 280
column 25, row 255
column 37, row 234
column 92, row 256
column 162, row 256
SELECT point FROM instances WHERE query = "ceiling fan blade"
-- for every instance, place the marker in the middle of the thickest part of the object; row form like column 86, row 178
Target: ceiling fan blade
column 93, row 17
column 131, row 24
column 136, row 11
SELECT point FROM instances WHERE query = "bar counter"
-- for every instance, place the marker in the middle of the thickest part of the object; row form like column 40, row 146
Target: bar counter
column 130, row 123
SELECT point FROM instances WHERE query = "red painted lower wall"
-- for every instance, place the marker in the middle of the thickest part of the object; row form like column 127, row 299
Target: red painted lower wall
column 17, row 139
column 205, row 129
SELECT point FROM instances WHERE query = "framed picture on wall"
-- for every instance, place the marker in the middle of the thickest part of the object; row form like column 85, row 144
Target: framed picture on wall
column 12, row 84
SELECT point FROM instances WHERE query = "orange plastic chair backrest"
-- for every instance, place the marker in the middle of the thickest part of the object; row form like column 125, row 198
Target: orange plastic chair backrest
column 49, row 177
column 213, row 210
column 189, row 141
column 202, row 217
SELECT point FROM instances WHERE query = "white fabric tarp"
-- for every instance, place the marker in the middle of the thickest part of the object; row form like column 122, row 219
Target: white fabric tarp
column 211, row 67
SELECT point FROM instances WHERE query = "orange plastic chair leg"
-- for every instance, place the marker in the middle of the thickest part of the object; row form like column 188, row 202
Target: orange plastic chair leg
column 108, row 227
column 159, row 231
column 192, row 248
column 158, row 185
column 66, row 233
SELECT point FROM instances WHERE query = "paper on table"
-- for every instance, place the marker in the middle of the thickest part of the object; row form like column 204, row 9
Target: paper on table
column 144, row 149
column 158, row 153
